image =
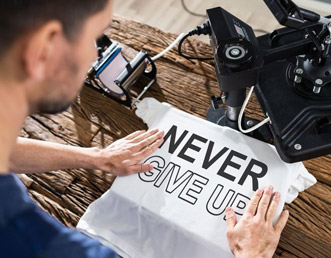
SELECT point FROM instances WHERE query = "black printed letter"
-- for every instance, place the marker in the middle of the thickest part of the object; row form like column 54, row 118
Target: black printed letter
column 218, row 201
column 254, row 175
column 173, row 143
column 150, row 176
column 207, row 162
column 190, row 145
column 229, row 162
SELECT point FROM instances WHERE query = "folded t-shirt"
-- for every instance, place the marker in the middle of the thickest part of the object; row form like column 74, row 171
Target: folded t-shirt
column 178, row 208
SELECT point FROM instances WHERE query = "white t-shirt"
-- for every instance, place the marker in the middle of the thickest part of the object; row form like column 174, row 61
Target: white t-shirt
column 178, row 208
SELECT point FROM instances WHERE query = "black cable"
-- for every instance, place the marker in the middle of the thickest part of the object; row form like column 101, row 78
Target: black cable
column 190, row 57
column 190, row 12
column 204, row 29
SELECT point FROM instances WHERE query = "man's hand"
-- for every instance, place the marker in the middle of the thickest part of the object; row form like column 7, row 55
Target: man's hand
column 254, row 235
column 122, row 156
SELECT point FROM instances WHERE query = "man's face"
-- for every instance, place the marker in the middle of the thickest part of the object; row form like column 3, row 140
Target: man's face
column 66, row 72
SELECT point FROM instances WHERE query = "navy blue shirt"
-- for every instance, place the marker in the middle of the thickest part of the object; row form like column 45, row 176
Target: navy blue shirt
column 27, row 231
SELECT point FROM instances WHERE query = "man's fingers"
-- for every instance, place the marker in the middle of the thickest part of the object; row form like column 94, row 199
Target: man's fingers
column 149, row 140
column 140, row 168
column 143, row 136
column 231, row 219
column 148, row 150
column 252, row 206
column 273, row 207
column 280, row 224
column 264, row 202
column 134, row 134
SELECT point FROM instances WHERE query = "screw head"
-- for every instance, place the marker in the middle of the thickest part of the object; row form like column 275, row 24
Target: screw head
column 297, row 146
column 299, row 71
column 319, row 82
column 250, row 123
column 235, row 52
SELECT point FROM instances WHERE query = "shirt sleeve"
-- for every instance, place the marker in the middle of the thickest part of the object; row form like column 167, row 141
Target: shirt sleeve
column 302, row 181
column 27, row 231
column 151, row 111
column 71, row 243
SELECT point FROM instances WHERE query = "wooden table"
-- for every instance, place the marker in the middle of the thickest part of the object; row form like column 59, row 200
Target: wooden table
column 95, row 120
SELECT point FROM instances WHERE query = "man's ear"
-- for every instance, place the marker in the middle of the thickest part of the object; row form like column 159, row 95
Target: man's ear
column 40, row 46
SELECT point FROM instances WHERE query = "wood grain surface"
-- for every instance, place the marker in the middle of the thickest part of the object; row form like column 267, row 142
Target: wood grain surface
column 95, row 120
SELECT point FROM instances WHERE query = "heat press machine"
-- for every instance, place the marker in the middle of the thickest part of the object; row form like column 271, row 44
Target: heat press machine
column 114, row 76
column 289, row 71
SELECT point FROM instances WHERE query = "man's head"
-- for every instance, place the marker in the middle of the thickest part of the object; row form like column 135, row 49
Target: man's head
column 47, row 46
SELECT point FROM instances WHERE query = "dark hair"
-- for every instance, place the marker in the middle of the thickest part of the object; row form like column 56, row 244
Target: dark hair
column 20, row 16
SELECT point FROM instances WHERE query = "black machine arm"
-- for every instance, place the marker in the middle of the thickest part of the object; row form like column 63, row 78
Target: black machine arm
column 285, row 43
column 290, row 69
column 290, row 15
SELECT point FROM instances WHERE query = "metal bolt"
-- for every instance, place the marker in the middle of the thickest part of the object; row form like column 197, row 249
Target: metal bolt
column 319, row 82
column 299, row 71
column 318, row 85
column 297, row 79
column 316, row 89
column 235, row 52
column 250, row 123
column 297, row 146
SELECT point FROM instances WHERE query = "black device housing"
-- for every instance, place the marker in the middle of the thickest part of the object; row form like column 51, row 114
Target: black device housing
column 300, row 119
column 286, row 12
column 229, row 31
column 301, row 122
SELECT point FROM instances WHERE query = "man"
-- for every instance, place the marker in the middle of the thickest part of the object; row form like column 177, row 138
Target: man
column 46, row 47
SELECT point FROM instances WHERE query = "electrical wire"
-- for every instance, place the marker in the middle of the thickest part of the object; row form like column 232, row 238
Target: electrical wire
column 203, row 29
column 190, row 12
column 241, row 114
column 171, row 46
column 190, row 57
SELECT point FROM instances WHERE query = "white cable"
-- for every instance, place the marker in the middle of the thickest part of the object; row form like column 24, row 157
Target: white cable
column 172, row 45
column 324, row 20
column 242, row 110
column 327, row 22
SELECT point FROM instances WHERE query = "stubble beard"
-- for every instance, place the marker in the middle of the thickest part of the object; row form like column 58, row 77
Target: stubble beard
column 59, row 102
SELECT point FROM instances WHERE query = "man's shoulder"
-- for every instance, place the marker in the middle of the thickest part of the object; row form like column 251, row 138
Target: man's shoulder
column 30, row 232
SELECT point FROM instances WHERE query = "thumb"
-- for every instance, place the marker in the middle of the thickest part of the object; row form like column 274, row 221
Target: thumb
column 231, row 219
